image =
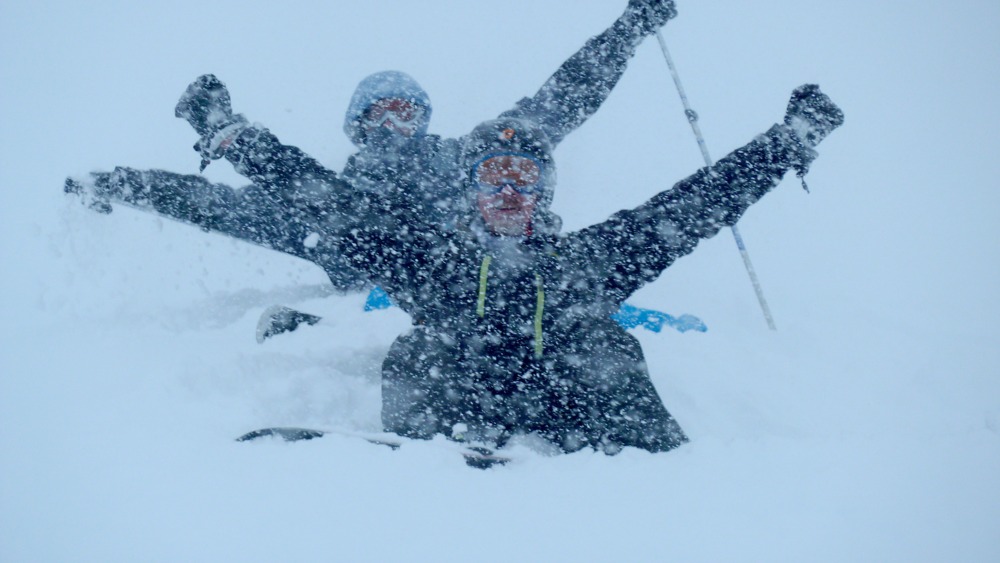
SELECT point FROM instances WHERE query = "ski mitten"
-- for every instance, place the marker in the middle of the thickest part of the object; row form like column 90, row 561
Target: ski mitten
column 205, row 104
column 812, row 115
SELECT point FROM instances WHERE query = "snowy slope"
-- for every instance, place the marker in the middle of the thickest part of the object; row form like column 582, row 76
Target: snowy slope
column 866, row 428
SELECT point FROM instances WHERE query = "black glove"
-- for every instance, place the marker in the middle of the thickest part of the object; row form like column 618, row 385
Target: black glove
column 206, row 106
column 644, row 17
column 812, row 115
column 97, row 191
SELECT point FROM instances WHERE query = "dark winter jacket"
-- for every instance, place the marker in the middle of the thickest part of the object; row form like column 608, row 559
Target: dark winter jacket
column 283, row 216
column 514, row 335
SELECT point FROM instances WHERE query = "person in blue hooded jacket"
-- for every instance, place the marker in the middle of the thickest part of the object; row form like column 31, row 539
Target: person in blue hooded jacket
column 387, row 119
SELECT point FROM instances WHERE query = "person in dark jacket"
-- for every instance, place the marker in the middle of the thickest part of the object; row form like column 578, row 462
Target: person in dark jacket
column 511, row 318
column 387, row 119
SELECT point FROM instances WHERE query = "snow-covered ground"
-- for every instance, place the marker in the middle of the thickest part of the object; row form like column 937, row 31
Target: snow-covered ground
column 867, row 428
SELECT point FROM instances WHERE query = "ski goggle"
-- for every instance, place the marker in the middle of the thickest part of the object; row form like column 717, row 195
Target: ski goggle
column 521, row 173
column 401, row 113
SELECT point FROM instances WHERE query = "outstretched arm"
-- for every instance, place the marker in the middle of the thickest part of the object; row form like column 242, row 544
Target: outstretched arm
column 579, row 87
column 252, row 214
column 185, row 197
column 285, row 172
column 633, row 247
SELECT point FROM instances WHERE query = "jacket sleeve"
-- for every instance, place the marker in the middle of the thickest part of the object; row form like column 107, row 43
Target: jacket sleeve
column 579, row 87
column 254, row 213
column 634, row 246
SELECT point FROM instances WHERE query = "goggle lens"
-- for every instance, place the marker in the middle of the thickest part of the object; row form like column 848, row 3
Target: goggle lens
column 402, row 113
column 521, row 173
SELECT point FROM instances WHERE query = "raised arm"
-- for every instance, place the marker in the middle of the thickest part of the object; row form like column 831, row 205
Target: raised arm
column 284, row 171
column 633, row 247
column 579, row 87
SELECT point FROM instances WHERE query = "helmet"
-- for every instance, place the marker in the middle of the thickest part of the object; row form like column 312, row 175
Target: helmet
column 385, row 84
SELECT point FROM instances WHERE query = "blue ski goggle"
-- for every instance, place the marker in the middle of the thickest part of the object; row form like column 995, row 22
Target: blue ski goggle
column 520, row 172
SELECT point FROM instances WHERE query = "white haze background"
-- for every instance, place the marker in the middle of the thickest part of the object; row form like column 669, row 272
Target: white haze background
column 866, row 428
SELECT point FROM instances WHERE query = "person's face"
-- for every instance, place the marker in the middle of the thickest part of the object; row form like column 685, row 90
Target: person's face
column 507, row 213
column 396, row 115
column 507, row 193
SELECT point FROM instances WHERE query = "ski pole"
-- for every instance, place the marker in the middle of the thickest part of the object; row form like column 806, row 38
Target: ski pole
column 692, row 118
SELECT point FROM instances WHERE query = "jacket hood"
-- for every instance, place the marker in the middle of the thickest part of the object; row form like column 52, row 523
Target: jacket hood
column 385, row 84
column 510, row 135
